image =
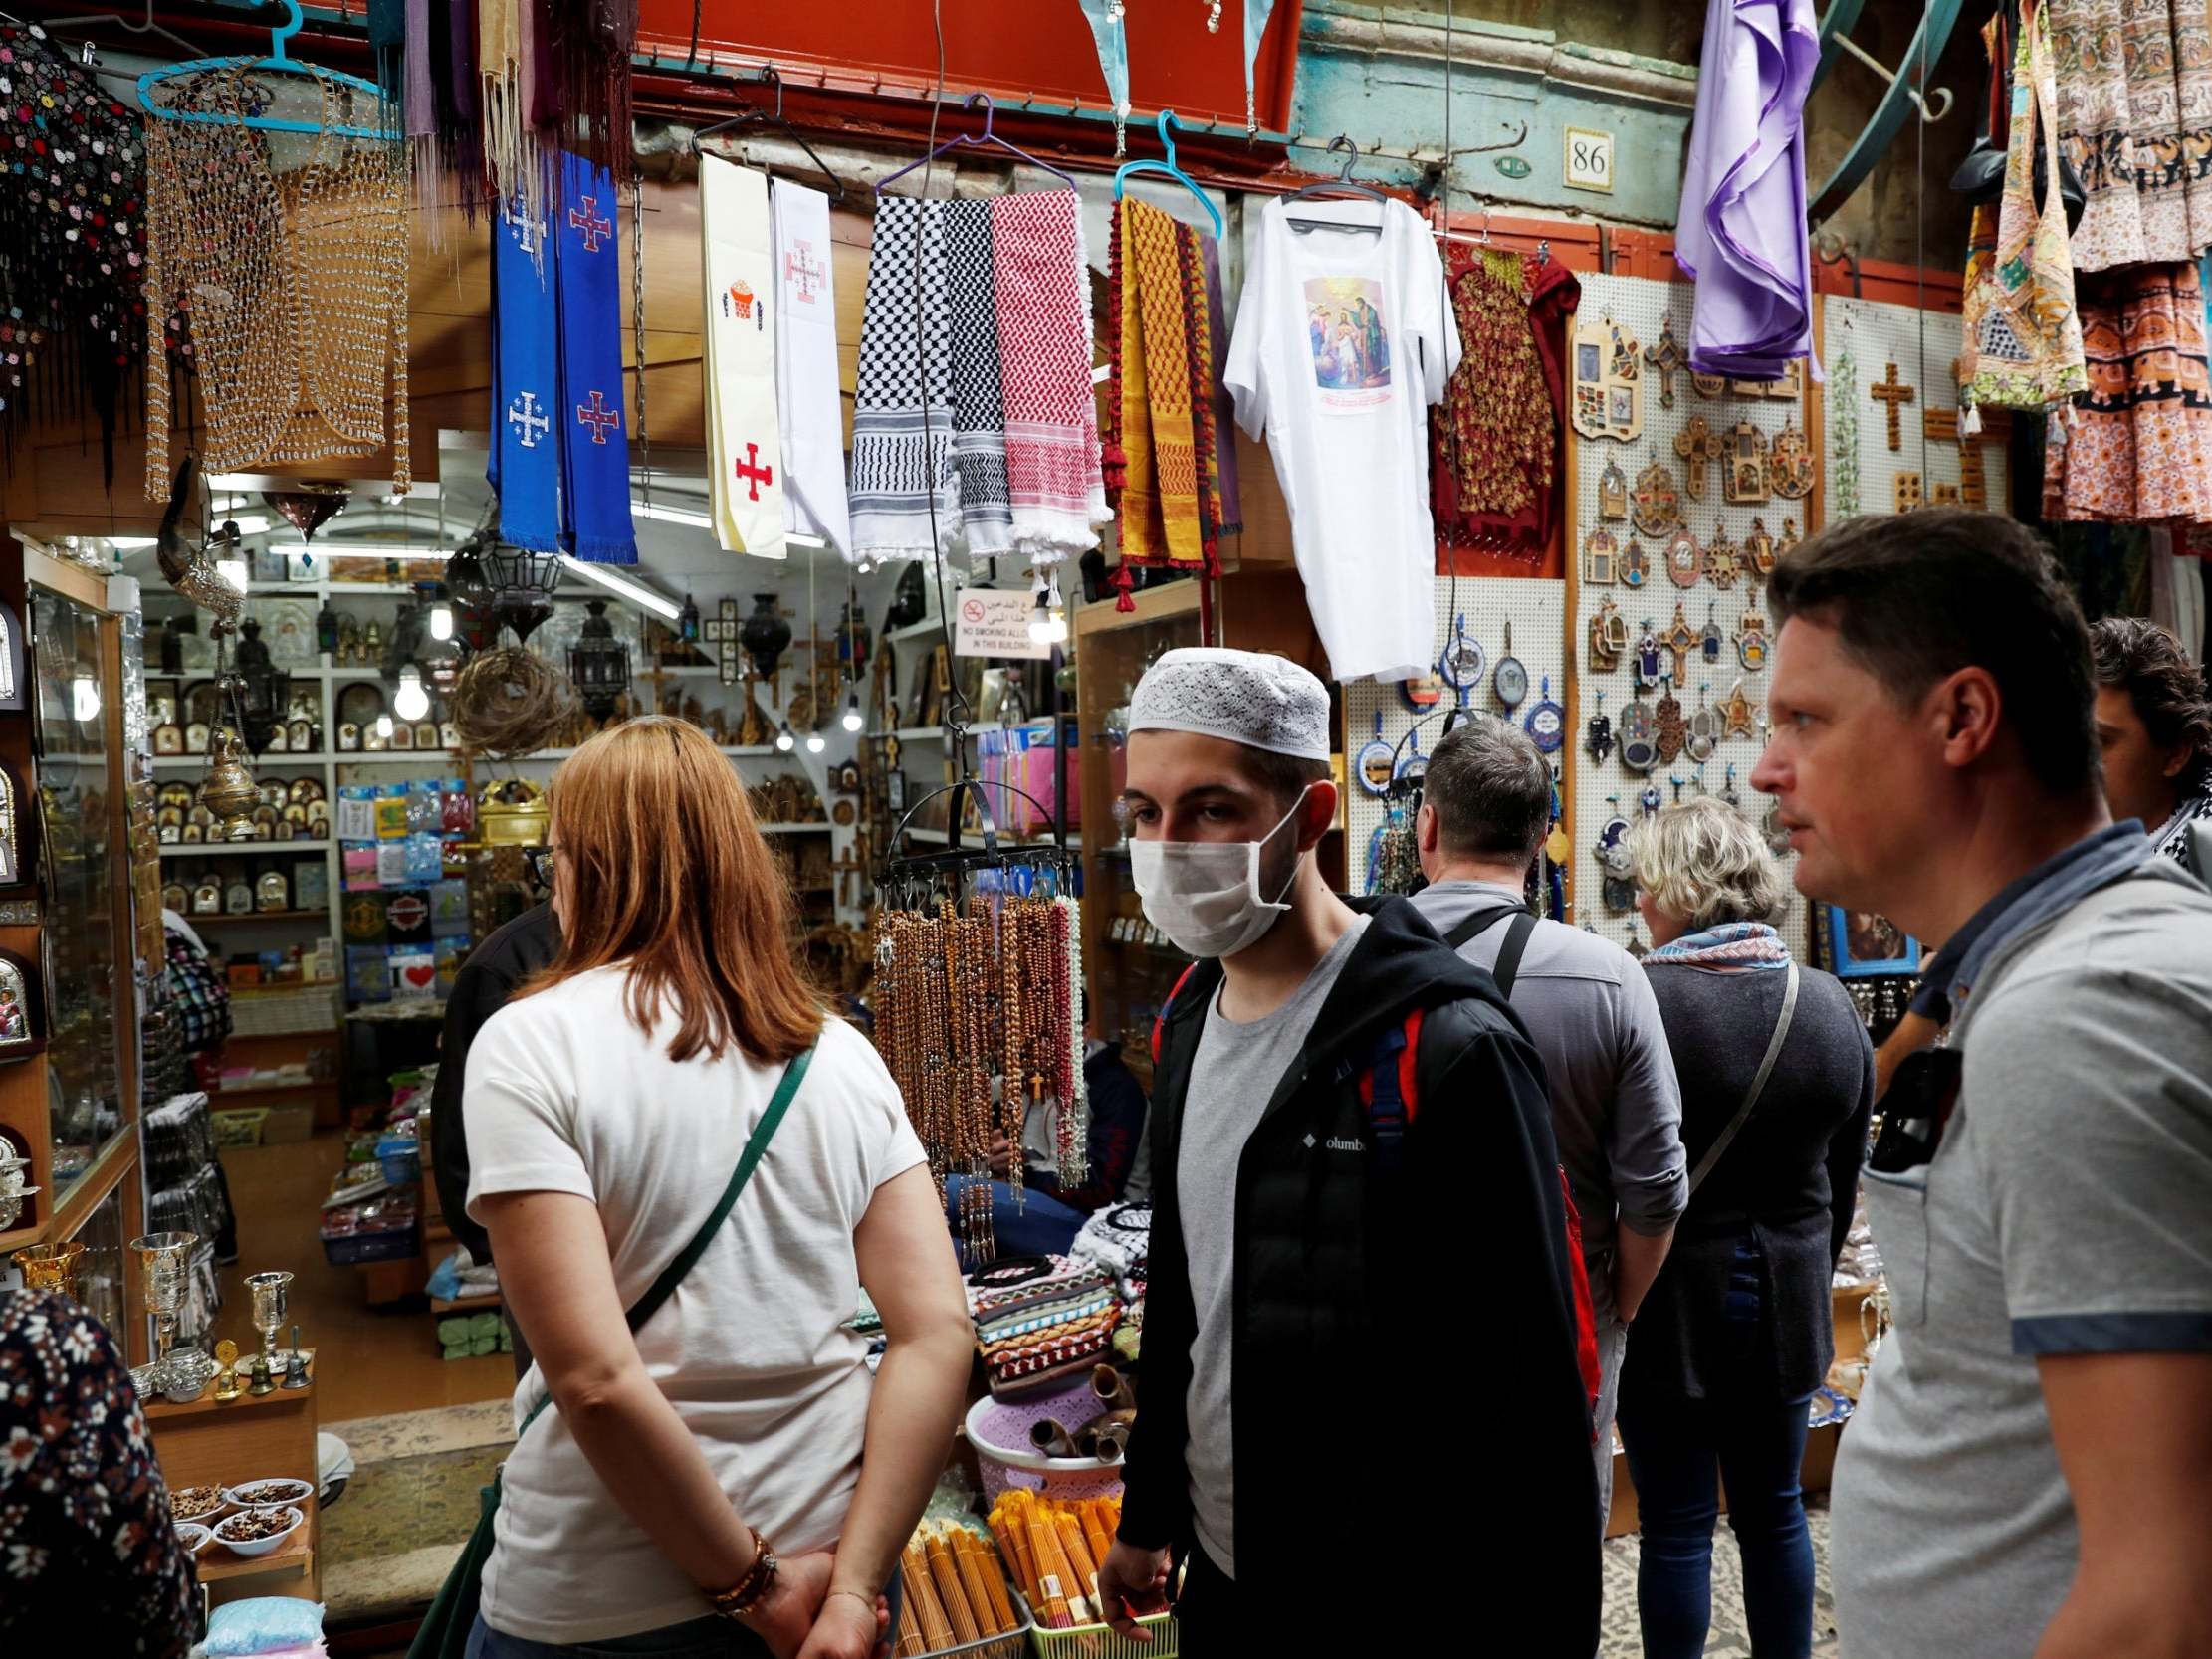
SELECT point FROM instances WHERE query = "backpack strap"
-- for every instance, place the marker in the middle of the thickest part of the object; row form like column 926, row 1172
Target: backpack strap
column 756, row 1147
column 1160, row 1020
column 1508, row 965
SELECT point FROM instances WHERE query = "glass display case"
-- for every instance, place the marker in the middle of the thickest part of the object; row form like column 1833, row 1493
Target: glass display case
column 76, row 800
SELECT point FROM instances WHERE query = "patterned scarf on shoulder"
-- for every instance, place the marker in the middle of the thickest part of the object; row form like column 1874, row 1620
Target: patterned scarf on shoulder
column 1730, row 948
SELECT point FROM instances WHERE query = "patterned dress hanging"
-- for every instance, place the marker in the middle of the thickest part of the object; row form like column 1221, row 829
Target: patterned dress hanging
column 2141, row 449
column 1495, row 475
column 2134, row 111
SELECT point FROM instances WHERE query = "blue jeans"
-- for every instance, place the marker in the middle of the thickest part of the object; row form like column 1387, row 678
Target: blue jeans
column 1679, row 1451
column 1042, row 1226
column 711, row 1637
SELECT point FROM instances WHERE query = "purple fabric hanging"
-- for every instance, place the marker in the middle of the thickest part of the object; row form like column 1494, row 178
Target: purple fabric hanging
column 1740, row 230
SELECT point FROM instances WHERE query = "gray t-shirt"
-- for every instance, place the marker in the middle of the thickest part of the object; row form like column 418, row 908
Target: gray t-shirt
column 2068, row 1210
column 1616, row 1106
column 1233, row 1075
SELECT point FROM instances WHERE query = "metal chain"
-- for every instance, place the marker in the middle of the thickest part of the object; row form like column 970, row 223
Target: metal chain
column 637, row 322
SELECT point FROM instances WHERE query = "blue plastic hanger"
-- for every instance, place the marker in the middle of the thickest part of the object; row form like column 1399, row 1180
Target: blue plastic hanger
column 974, row 100
column 1167, row 124
column 279, row 61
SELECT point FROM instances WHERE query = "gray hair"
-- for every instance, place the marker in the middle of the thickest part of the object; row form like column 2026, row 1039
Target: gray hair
column 1491, row 788
column 1703, row 861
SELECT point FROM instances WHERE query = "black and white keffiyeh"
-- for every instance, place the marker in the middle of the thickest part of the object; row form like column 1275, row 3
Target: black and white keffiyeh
column 979, row 407
column 2173, row 835
column 902, row 456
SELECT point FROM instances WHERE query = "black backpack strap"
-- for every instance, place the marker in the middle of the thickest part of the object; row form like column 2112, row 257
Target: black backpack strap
column 1516, row 941
column 1508, row 965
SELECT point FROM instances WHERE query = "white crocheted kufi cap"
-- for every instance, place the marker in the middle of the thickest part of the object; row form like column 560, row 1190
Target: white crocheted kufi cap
column 1263, row 702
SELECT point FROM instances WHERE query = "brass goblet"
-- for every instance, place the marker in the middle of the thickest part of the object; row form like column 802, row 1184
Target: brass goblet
column 50, row 1267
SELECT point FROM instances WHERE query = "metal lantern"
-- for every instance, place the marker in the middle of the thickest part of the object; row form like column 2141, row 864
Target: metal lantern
column 765, row 634
column 522, row 586
column 599, row 663
column 228, row 791
column 687, row 622
column 264, row 690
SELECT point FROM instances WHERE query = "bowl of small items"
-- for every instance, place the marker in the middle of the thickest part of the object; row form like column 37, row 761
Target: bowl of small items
column 192, row 1537
column 197, row 1502
column 258, row 1531
column 270, row 1494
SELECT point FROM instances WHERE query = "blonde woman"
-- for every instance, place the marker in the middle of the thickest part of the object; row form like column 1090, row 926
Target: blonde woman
column 733, row 1460
column 1776, row 1083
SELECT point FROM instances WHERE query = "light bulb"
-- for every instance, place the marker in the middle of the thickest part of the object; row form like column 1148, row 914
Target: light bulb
column 815, row 742
column 1040, row 619
column 851, row 718
column 1056, row 632
column 410, row 702
column 383, row 726
column 785, row 742
column 863, row 566
column 85, row 698
column 233, row 571
column 441, row 621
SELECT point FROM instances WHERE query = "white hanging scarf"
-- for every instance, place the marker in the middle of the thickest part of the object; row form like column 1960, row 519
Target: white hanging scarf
column 743, row 452
column 807, row 368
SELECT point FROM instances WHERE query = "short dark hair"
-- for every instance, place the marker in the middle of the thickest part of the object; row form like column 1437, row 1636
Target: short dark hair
column 1491, row 789
column 1285, row 776
column 2166, row 688
column 1925, row 594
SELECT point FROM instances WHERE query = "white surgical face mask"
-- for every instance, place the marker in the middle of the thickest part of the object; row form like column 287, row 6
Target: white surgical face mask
column 1205, row 895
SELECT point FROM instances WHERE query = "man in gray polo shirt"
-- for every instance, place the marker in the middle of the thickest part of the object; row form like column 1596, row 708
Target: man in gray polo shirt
column 1615, row 1105
column 2027, row 1471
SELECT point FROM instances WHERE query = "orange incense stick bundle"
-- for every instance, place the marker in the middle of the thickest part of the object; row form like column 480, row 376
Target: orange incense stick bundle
column 1014, row 1550
column 911, row 1642
column 977, row 1554
column 1095, row 1534
column 1052, row 1574
column 954, row 1600
column 1079, row 1553
column 914, row 1572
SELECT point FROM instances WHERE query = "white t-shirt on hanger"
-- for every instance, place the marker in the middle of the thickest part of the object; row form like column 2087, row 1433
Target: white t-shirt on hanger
column 1342, row 341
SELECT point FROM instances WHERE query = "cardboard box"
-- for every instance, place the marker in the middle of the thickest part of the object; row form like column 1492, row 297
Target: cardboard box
column 287, row 1124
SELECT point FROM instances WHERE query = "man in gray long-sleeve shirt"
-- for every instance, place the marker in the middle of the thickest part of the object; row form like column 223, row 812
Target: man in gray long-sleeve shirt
column 1615, row 1111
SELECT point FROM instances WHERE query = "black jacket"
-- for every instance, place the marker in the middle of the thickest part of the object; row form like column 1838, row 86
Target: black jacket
column 1408, row 1406
column 494, row 972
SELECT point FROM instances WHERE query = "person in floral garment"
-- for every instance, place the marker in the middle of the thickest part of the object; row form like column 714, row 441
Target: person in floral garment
column 87, row 1546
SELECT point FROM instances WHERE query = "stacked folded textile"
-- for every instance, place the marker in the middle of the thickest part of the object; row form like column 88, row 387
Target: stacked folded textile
column 1040, row 1319
column 1119, row 1239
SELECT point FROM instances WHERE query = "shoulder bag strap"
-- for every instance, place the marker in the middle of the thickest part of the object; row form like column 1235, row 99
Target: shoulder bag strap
column 1480, row 919
column 1508, row 965
column 673, row 1274
column 1758, row 1085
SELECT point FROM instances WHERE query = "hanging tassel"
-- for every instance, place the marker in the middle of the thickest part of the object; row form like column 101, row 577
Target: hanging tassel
column 1972, row 422
column 1114, row 463
column 1123, row 582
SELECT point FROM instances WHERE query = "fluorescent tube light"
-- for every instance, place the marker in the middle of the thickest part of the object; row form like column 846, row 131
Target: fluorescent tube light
column 632, row 591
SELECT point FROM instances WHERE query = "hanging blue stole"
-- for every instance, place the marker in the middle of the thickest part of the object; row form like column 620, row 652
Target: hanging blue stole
column 560, row 450
column 525, row 469
column 595, row 458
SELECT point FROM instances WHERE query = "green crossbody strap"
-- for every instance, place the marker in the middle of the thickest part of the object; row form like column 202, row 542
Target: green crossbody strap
column 672, row 1275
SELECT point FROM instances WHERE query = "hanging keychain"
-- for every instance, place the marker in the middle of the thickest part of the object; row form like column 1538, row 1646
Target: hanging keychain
column 1510, row 681
column 1615, row 861
column 1598, row 742
column 1374, row 766
column 1547, row 721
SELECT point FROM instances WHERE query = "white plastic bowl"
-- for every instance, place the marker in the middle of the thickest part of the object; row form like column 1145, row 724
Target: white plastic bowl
column 288, row 1492
column 192, row 1536
column 256, row 1546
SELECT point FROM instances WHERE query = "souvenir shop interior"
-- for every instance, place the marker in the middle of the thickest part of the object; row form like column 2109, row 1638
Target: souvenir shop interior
column 394, row 395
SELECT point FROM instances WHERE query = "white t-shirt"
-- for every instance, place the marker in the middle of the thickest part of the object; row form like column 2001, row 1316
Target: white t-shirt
column 566, row 1095
column 1342, row 340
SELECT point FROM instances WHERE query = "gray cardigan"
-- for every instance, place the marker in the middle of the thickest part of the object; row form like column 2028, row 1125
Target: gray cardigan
column 1789, row 1183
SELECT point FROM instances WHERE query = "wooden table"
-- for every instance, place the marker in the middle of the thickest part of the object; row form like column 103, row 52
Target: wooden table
column 250, row 1439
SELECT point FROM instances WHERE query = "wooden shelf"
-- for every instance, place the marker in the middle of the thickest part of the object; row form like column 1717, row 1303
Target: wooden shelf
column 295, row 1555
column 159, row 1412
column 796, row 829
column 216, row 1096
column 220, row 849
column 202, row 920
column 189, row 762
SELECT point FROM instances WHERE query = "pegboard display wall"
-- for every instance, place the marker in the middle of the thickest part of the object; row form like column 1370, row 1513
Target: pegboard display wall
column 1718, row 604
column 1533, row 609
column 1907, row 357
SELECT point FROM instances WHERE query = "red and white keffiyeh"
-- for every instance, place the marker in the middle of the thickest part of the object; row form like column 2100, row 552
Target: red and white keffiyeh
column 1043, row 285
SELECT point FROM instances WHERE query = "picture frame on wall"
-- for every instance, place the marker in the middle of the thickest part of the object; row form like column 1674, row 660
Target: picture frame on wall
column 22, row 1008
column 894, row 791
column 19, row 817
column 1865, row 945
column 15, row 689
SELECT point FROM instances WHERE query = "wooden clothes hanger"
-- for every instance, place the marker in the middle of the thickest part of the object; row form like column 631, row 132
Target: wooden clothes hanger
column 1167, row 124
column 974, row 100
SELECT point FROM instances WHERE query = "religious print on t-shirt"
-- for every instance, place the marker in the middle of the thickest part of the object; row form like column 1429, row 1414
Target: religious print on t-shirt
column 1343, row 338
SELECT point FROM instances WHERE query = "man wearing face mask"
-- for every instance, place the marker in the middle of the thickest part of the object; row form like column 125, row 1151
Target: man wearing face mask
column 1345, row 1117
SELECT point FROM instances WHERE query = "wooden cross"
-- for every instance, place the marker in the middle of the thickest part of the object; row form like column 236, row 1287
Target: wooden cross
column 1974, row 483
column 1669, row 359
column 1698, row 444
column 1894, row 394
column 1682, row 639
